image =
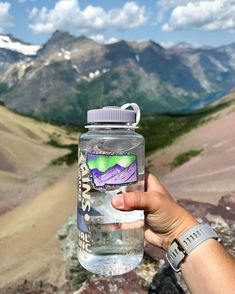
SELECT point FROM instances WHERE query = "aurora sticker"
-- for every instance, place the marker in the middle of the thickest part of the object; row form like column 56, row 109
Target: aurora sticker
column 112, row 169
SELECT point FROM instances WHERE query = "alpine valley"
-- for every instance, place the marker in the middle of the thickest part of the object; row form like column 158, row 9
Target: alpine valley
column 61, row 80
column 192, row 154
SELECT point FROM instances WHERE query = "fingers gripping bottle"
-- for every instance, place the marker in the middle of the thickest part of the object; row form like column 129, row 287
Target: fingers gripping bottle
column 111, row 162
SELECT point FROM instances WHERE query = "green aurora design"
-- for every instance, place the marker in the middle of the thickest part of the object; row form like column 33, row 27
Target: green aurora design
column 104, row 162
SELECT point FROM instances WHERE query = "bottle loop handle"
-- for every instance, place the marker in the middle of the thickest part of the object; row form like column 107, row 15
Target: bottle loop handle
column 136, row 108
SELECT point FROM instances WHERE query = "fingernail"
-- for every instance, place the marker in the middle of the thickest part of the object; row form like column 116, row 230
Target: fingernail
column 118, row 201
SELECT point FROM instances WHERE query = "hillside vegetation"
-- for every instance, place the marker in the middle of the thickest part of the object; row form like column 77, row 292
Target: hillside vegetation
column 160, row 130
column 204, row 175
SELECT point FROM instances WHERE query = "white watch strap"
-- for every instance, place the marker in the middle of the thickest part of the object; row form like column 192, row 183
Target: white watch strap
column 181, row 246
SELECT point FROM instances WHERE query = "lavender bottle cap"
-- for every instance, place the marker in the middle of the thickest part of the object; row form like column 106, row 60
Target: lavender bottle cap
column 111, row 114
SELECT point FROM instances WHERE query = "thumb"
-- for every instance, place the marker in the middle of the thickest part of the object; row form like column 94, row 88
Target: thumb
column 147, row 201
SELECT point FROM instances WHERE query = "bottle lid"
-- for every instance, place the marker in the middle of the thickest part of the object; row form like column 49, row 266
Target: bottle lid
column 115, row 114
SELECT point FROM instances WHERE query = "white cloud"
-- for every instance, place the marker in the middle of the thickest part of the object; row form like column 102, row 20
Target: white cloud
column 67, row 15
column 165, row 5
column 6, row 19
column 128, row 17
column 33, row 13
column 208, row 15
column 102, row 40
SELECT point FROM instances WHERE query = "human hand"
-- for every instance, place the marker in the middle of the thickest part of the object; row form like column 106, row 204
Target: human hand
column 165, row 219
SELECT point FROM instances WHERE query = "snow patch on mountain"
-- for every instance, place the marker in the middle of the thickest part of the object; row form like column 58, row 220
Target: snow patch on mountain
column 67, row 54
column 94, row 74
column 75, row 67
column 27, row 49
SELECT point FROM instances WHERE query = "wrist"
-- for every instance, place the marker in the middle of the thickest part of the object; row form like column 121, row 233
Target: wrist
column 187, row 242
column 182, row 224
column 198, row 254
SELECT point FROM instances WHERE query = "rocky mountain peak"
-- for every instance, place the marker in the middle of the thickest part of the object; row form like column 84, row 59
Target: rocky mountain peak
column 61, row 37
column 58, row 39
column 142, row 45
column 120, row 44
column 58, row 35
column 64, row 41
column 183, row 45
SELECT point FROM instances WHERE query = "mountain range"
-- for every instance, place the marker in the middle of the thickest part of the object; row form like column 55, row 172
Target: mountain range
column 68, row 75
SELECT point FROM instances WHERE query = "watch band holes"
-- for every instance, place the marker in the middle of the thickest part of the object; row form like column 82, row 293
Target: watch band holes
column 191, row 237
column 199, row 233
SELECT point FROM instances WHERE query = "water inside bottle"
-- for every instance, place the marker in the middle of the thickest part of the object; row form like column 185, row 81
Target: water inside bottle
column 115, row 237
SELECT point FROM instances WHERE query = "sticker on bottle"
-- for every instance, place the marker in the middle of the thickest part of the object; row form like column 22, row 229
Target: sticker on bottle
column 112, row 169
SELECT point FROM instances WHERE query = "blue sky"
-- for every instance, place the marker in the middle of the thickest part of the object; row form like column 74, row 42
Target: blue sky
column 200, row 22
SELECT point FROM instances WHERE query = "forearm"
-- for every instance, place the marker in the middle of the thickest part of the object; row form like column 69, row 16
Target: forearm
column 203, row 269
column 208, row 268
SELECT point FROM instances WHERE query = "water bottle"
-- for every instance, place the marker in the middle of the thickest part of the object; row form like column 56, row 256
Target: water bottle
column 110, row 162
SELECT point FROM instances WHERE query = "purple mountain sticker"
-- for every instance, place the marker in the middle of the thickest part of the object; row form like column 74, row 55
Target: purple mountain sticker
column 115, row 175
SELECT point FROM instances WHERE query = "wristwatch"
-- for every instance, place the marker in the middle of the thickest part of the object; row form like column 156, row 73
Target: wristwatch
column 183, row 245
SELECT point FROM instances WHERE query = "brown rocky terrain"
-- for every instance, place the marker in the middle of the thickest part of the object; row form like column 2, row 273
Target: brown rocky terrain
column 26, row 156
column 210, row 174
column 36, row 197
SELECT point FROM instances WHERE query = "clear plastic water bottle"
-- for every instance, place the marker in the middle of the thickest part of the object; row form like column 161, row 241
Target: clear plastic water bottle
column 111, row 161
